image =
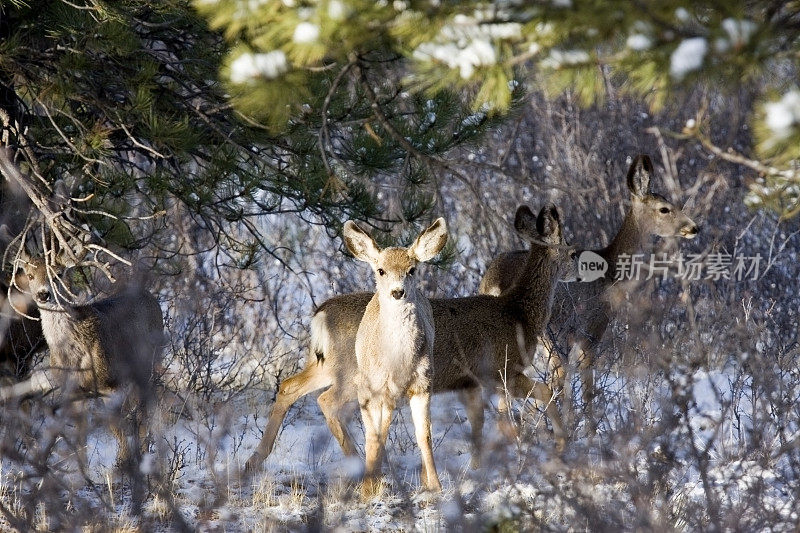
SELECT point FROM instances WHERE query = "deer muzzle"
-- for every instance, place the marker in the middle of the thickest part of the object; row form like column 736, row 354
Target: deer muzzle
column 43, row 296
column 690, row 231
column 397, row 294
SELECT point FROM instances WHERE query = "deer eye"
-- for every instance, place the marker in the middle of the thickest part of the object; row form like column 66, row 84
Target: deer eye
column 30, row 277
column 664, row 210
column 411, row 271
column 381, row 272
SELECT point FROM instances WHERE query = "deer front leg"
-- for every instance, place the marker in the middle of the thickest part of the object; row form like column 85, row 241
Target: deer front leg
column 376, row 413
column 421, row 415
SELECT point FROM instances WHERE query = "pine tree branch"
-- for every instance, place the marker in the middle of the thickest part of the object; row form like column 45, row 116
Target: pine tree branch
column 324, row 138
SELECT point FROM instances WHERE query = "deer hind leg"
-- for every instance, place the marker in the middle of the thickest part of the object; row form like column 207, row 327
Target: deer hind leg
column 311, row 378
column 556, row 367
column 585, row 366
column 473, row 401
column 586, row 369
column 331, row 403
column 421, row 415
column 505, row 423
column 376, row 413
column 126, row 425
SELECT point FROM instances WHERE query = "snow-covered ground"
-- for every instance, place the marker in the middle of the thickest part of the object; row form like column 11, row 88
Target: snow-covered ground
column 523, row 483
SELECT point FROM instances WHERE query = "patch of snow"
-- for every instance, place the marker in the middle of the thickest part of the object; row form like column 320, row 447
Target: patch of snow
column 687, row 57
column 247, row 67
column 784, row 115
column 478, row 52
column 305, row 33
column 639, row 42
column 467, row 42
column 682, row 14
column 464, row 28
column 558, row 58
column 336, row 9
column 148, row 464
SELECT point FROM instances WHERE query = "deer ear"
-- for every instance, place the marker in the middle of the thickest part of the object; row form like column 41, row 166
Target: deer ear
column 5, row 234
column 548, row 224
column 20, row 261
column 359, row 243
column 524, row 219
column 525, row 223
column 639, row 174
column 20, row 279
column 23, row 255
column 430, row 242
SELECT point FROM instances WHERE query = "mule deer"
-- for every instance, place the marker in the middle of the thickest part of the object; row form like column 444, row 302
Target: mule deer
column 394, row 344
column 479, row 339
column 583, row 310
column 104, row 345
column 20, row 337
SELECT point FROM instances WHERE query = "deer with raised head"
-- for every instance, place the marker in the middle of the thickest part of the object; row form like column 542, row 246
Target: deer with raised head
column 481, row 341
column 583, row 310
column 20, row 332
column 95, row 348
column 394, row 345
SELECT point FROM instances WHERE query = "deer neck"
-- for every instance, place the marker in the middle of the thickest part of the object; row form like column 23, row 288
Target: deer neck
column 629, row 240
column 531, row 297
column 402, row 330
column 405, row 316
column 57, row 325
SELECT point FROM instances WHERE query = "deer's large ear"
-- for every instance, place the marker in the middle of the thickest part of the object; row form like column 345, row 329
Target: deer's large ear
column 5, row 234
column 525, row 223
column 20, row 279
column 23, row 255
column 639, row 175
column 430, row 242
column 21, row 259
column 548, row 224
column 359, row 243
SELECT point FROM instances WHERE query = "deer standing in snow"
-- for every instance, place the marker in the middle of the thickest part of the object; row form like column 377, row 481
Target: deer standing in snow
column 394, row 345
column 481, row 341
column 95, row 348
column 583, row 310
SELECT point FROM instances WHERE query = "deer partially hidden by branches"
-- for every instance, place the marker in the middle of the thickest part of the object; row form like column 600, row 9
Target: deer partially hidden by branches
column 109, row 344
column 394, row 346
column 481, row 341
column 20, row 337
column 583, row 310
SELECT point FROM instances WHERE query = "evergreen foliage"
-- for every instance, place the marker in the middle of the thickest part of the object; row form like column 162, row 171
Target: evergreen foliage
column 120, row 101
column 650, row 49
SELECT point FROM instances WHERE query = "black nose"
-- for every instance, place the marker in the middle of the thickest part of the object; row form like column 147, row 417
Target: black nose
column 693, row 230
column 43, row 296
column 398, row 293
